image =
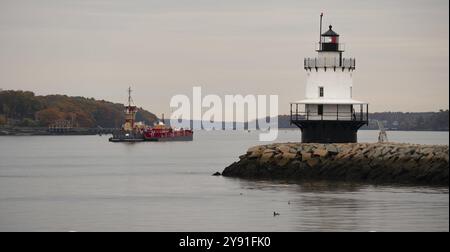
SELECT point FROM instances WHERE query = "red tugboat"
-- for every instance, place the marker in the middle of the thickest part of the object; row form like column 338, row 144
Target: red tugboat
column 139, row 132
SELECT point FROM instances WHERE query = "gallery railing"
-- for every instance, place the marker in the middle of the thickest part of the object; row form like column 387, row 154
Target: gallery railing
column 360, row 114
column 348, row 63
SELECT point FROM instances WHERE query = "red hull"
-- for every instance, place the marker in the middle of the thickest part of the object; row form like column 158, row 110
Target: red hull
column 168, row 135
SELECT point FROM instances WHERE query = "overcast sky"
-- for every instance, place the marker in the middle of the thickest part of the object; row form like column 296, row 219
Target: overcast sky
column 165, row 47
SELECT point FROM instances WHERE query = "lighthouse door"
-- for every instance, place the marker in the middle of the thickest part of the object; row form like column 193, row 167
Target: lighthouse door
column 320, row 110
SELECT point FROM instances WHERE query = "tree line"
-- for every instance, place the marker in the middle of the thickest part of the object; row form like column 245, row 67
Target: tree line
column 24, row 108
column 408, row 121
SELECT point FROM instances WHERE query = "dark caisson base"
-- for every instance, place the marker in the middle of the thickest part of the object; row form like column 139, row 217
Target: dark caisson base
column 329, row 131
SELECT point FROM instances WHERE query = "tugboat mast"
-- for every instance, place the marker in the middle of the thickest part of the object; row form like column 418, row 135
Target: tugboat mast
column 129, row 96
column 130, row 113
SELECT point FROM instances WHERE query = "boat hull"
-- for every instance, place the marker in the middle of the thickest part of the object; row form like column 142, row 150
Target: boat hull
column 140, row 138
column 125, row 140
column 170, row 139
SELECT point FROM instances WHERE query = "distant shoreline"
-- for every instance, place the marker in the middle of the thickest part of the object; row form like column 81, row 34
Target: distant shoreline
column 25, row 109
column 43, row 131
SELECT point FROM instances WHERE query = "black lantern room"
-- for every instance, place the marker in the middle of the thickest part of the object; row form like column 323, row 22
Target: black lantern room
column 329, row 41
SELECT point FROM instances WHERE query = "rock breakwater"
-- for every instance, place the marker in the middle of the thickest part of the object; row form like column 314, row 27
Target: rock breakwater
column 359, row 162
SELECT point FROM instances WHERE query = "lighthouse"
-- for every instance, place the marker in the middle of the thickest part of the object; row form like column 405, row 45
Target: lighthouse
column 329, row 114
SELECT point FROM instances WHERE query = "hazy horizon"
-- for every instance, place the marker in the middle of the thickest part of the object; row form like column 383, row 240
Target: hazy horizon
column 163, row 48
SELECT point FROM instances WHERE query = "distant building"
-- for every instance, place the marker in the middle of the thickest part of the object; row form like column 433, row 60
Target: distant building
column 329, row 114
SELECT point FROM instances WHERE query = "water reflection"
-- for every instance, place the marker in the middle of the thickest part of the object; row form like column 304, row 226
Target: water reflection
column 337, row 206
column 302, row 187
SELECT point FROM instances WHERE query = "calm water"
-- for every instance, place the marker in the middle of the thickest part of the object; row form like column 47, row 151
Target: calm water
column 88, row 184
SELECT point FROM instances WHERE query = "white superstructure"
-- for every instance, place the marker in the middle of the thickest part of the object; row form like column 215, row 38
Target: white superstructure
column 329, row 82
column 329, row 94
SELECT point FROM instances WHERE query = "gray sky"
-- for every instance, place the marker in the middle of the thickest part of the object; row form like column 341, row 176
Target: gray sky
column 165, row 47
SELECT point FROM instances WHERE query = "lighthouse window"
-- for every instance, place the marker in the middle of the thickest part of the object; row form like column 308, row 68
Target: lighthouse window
column 320, row 91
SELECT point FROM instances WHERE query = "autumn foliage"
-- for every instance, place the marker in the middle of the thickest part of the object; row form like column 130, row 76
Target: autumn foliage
column 23, row 108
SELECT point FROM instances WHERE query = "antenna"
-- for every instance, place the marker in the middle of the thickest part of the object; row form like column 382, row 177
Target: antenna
column 130, row 100
column 320, row 35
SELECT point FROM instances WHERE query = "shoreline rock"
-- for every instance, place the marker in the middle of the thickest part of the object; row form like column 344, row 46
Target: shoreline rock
column 356, row 162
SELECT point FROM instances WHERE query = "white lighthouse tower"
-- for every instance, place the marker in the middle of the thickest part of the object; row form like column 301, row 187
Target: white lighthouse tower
column 329, row 114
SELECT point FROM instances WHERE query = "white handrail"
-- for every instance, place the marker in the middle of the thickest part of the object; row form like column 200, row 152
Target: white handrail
column 329, row 62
